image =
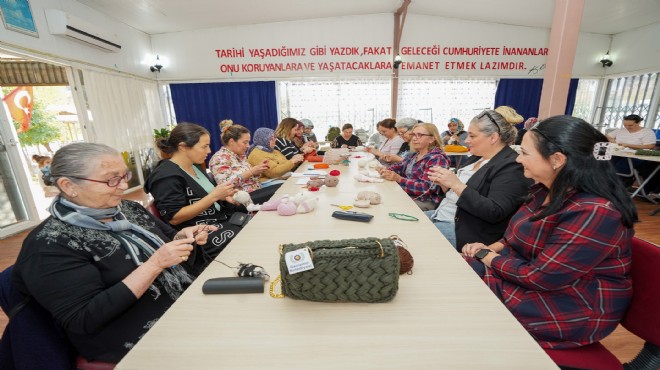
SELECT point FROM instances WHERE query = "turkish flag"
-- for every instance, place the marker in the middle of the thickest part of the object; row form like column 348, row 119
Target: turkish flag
column 19, row 103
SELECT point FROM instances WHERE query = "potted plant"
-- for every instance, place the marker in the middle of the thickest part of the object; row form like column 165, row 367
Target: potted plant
column 162, row 133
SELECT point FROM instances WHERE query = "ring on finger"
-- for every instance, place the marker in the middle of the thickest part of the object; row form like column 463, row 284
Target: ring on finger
column 184, row 258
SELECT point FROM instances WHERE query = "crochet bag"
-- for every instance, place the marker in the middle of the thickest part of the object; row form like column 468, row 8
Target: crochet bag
column 349, row 270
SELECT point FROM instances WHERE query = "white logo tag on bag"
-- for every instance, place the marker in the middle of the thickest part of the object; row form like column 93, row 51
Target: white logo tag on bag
column 298, row 261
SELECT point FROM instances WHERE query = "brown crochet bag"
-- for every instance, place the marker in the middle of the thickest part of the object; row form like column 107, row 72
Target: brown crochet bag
column 349, row 270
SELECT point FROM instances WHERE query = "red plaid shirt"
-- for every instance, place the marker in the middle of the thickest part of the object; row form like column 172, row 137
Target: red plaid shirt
column 566, row 276
column 416, row 181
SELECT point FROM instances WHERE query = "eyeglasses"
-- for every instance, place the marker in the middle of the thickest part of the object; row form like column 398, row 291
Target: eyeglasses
column 401, row 133
column 112, row 182
column 417, row 135
column 485, row 113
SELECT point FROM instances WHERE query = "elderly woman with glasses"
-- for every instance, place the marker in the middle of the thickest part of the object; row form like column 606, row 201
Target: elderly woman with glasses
column 483, row 195
column 412, row 174
column 103, row 267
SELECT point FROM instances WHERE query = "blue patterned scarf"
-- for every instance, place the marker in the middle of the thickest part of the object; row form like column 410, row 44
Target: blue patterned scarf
column 172, row 279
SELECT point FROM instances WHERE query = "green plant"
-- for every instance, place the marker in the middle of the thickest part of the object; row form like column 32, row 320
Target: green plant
column 43, row 130
column 162, row 133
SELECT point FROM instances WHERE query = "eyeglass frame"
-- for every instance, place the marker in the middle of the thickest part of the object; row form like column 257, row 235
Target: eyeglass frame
column 485, row 113
column 402, row 133
column 418, row 135
column 126, row 177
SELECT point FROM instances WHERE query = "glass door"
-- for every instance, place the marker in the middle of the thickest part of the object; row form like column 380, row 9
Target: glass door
column 17, row 208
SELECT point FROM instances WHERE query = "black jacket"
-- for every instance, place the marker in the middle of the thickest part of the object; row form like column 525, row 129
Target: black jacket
column 493, row 194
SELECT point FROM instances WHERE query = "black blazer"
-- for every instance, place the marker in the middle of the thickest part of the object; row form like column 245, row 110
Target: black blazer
column 493, row 194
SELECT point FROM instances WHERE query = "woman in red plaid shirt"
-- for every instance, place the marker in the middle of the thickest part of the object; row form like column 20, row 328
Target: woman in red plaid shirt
column 412, row 174
column 563, row 265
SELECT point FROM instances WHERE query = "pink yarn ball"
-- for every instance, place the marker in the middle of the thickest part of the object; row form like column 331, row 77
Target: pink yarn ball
column 286, row 208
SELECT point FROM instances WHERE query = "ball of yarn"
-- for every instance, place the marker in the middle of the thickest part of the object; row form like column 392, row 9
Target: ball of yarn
column 286, row 208
column 362, row 163
column 242, row 197
column 361, row 203
column 406, row 261
column 316, row 183
column 335, row 173
column 271, row 205
column 371, row 196
column 331, row 181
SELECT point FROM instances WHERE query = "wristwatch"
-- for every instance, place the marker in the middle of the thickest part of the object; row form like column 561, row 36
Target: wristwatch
column 481, row 253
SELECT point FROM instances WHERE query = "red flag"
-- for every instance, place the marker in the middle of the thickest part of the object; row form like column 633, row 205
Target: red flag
column 19, row 103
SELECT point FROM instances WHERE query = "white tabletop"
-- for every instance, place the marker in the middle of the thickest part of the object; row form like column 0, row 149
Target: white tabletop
column 443, row 317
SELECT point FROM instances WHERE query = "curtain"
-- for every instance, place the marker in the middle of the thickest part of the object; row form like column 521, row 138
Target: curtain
column 524, row 95
column 124, row 112
column 251, row 104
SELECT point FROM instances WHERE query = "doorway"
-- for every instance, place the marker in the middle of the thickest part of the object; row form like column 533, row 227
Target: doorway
column 26, row 144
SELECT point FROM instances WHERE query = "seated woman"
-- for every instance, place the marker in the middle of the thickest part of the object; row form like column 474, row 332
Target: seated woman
column 262, row 151
column 563, row 265
column 404, row 128
column 392, row 142
column 529, row 123
column 346, row 139
column 185, row 196
column 308, row 132
column 103, row 267
column 455, row 134
column 286, row 131
column 483, row 195
column 412, row 173
column 230, row 164
column 632, row 135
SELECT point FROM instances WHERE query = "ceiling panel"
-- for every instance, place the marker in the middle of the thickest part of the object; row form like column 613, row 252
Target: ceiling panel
column 163, row 16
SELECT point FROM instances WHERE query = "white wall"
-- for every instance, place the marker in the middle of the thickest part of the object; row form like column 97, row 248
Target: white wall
column 136, row 45
column 636, row 51
column 193, row 54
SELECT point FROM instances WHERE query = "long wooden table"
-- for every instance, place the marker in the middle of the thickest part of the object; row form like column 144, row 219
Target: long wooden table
column 443, row 317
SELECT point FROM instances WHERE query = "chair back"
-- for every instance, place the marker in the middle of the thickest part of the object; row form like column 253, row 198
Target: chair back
column 151, row 207
column 642, row 318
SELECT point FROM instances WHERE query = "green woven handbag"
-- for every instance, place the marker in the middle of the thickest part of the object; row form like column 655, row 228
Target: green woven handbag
column 349, row 270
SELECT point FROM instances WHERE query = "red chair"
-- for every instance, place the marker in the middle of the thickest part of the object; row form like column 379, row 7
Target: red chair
column 151, row 207
column 641, row 319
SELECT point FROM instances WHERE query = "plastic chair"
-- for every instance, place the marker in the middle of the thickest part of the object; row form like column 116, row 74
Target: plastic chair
column 641, row 319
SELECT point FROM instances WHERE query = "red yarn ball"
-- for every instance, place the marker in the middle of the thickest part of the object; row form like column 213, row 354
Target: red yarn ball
column 335, row 173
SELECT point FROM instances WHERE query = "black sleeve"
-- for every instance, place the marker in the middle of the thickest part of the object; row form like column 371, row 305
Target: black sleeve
column 72, row 290
column 508, row 186
column 169, row 196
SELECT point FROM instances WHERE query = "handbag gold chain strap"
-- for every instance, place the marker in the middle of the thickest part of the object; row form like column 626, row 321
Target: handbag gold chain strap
column 272, row 288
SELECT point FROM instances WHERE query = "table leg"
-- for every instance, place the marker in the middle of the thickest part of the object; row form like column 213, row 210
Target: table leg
column 641, row 185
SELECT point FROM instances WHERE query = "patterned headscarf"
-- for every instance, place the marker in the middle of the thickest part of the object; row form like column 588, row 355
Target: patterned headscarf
column 458, row 122
column 530, row 122
column 261, row 140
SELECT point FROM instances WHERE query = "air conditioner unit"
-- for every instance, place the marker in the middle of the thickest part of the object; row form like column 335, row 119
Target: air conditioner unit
column 66, row 25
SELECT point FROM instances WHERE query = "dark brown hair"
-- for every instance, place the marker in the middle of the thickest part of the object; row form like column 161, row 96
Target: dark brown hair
column 186, row 133
column 346, row 126
column 388, row 123
column 231, row 131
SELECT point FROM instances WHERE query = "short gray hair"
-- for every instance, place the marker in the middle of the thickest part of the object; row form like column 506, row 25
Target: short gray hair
column 406, row 122
column 77, row 160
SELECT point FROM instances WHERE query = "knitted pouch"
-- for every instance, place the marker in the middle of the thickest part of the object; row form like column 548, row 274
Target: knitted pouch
column 349, row 270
